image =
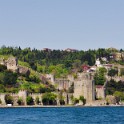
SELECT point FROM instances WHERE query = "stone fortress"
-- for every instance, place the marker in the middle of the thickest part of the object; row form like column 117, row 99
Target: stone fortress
column 83, row 85
column 12, row 64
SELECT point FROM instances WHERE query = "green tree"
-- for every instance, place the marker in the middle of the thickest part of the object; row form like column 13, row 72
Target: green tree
column 2, row 68
column 119, row 95
column 61, row 98
column 75, row 100
column 49, row 99
column 34, row 78
column 37, row 100
column 113, row 86
column 77, row 65
column 82, row 99
column 112, row 72
column 29, row 100
column 9, row 78
column 20, row 101
column 2, row 88
column 8, row 99
column 99, row 77
column 102, row 70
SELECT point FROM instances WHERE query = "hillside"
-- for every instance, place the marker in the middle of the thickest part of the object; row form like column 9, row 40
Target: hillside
column 31, row 69
column 16, row 76
column 48, row 61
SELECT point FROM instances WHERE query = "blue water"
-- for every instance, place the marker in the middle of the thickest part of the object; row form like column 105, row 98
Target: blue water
column 87, row 115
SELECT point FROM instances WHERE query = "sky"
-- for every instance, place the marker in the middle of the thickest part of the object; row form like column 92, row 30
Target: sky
column 61, row 24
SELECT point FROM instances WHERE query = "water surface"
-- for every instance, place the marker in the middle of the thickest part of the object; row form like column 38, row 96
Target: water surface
column 86, row 115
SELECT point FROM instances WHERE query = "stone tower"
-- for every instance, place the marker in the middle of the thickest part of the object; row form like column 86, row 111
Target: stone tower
column 51, row 78
column 12, row 63
column 84, row 86
column 89, row 87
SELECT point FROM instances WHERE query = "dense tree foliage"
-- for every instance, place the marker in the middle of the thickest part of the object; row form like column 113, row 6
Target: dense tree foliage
column 40, row 60
column 37, row 88
column 119, row 95
column 60, row 63
column 61, row 98
column 7, row 77
column 82, row 99
column 29, row 100
column 99, row 77
column 113, row 86
column 49, row 99
column 37, row 100
column 20, row 101
column 112, row 72
column 12, row 82
column 8, row 99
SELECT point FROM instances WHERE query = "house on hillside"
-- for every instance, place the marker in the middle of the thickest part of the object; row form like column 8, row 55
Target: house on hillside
column 85, row 68
column 71, row 50
column 47, row 50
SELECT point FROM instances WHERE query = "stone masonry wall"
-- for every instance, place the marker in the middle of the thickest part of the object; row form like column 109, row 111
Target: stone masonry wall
column 84, row 86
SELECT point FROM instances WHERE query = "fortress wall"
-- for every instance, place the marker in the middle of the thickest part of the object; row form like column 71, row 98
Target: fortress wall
column 35, row 95
column 12, row 63
column 84, row 86
column 78, row 89
column 65, row 98
column 23, row 94
column 89, row 87
column 70, row 78
column 51, row 78
column 62, row 84
column 89, row 91
column 100, row 93
column 70, row 102
column 97, row 103
column 2, row 97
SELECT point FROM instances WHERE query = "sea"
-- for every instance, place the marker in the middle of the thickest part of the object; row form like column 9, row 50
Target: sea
column 62, row 115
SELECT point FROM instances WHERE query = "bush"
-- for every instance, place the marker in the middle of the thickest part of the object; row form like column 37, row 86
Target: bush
column 75, row 100
column 62, row 102
column 2, row 88
column 113, row 86
column 29, row 100
column 8, row 99
column 37, row 100
column 82, row 99
column 2, row 68
column 112, row 72
column 20, row 101
column 119, row 95
column 49, row 99
column 33, row 78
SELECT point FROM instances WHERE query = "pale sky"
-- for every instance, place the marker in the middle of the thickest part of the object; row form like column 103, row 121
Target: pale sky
column 60, row 24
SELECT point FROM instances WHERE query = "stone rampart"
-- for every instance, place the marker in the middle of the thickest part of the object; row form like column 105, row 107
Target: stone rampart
column 84, row 86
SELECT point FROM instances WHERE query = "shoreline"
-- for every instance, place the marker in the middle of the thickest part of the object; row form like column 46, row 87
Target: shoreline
column 66, row 106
